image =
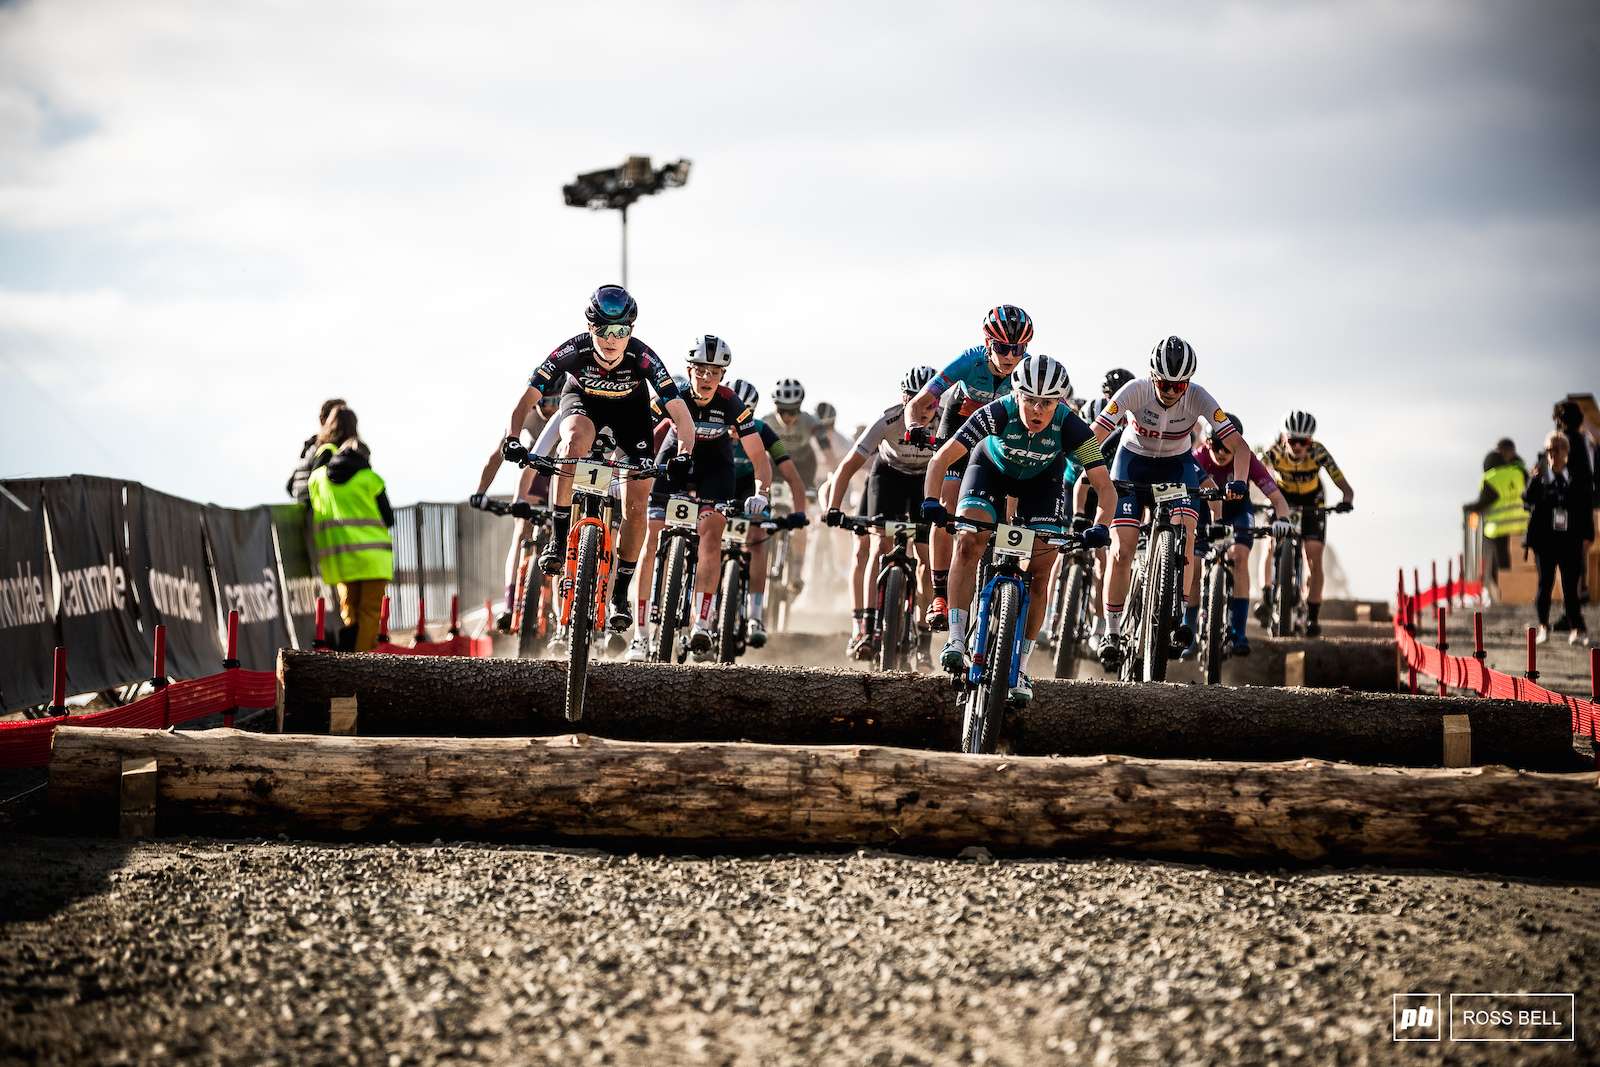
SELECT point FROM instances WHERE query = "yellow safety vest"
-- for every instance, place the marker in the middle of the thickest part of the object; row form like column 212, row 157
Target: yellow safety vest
column 352, row 542
column 1506, row 517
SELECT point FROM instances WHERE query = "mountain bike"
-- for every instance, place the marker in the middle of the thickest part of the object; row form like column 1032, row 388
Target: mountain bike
column 897, row 639
column 1216, row 594
column 1154, row 589
column 1289, row 616
column 1000, row 612
column 585, row 581
column 672, row 586
column 732, row 624
column 1070, row 617
column 531, row 624
column 784, row 566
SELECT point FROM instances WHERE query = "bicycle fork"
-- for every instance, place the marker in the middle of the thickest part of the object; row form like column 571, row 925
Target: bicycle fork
column 981, row 642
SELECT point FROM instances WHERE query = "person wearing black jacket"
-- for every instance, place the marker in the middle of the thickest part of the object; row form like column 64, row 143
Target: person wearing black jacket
column 1561, row 522
column 296, row 485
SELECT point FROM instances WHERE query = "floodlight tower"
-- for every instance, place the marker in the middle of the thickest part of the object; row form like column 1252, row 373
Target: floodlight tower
column 618, row 187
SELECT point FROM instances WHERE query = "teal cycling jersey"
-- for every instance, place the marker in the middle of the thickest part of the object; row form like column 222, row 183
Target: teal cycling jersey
column 743, row 467
column 978, row 381
column 998, row 427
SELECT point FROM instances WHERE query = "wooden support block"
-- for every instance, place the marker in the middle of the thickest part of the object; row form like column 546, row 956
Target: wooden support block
column 138, row 817
column 1457, row 741
column 1294, row 669
column 1363, row 613
column 342, row 715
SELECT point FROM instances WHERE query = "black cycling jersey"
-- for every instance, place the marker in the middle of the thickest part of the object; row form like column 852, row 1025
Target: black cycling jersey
column 717, row 423
column 578, row 361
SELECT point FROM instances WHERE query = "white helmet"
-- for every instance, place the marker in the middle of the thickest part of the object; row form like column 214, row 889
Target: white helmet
column 711, row 350
column 1173, row 360
column 789, row 394
column 1043, row 377
column 916, row 378
column 748, row 394
column 1299, row 424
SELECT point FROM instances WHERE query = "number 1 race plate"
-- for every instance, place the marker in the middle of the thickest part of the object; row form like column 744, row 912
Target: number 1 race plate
column 1013, row 541
column 682, row 511
column 591, row 478
column 738, row 530
column 895, row 529
column 1164, row 491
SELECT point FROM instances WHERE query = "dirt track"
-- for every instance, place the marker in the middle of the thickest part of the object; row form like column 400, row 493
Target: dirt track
column 222, row 952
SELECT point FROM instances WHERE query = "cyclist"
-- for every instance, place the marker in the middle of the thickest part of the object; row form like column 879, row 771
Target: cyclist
column 1161, row 411
column 532, row 486
column 719, row 418
column 1026, row 437
column 1296, row 460
column 608, row 374
column 894, row 490
column 799, row 432
column 1215, row 457
column 977, row 377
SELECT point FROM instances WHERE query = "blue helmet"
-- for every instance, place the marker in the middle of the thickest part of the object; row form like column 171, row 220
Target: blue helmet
column 611, row 305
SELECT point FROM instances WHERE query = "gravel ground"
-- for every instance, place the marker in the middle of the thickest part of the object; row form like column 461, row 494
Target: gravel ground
column 249, row 952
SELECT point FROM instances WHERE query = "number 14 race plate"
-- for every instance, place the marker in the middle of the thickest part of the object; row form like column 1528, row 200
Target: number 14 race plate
column 1013, row 541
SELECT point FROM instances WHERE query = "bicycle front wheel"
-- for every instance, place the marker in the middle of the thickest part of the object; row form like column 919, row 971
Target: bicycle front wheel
column 987, row 703
column 528, row 639
column 582, row 619
column 1158, row 606
column 1214, row 605
column 661, row 644
column 1070, row 620
column 1288, row 589
column 892, row 621
column 728, row 614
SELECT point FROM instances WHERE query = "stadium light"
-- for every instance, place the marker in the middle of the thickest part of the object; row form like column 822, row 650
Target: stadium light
column 617, row 187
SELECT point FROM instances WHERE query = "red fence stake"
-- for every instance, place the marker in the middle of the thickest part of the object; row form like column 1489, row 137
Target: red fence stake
column 383, row 622
column 1478, row 652
column 158, row 675
column 1450, row 581
column 422, row 622
column 1532, row 673
column 58, row 684
column 232, row 662
column 1461, row 576
column 455, row 615
column 1444, row 646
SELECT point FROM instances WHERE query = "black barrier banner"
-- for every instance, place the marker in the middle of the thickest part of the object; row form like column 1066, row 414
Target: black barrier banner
column 301, row 576
column 247, row 578
column 99, row 618
column 167, row 543
column 27, row 597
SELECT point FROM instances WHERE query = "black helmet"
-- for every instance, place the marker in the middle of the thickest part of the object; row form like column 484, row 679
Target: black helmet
column 1008, row 324
column 611, row 305
column 1115, row 379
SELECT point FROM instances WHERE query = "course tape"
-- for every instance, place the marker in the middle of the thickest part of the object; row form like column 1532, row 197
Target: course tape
column 481, row 647
column 1468, row 672
column 27, row 742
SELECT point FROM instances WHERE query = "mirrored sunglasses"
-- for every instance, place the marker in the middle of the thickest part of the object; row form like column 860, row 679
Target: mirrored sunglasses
column 616, row 329
column 1172, row 387
column 1004, row 348
column 1299, row 442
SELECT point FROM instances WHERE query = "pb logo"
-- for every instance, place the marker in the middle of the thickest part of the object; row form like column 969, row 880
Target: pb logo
column 1417, row 1017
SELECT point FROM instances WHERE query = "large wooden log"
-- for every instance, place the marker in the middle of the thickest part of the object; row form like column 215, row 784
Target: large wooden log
column 579, row 787
column 425, row 696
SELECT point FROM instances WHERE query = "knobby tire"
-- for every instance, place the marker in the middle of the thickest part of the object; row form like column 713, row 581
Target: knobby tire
column 1133, row 626
column 1288, row 590
column 728, row 613
column 987, row 703
column 1158, row 607
column 892, row 624
column 582, row 621
column 1069, row 636
column 662, row 649
column 528, row 640
column 1215, row 607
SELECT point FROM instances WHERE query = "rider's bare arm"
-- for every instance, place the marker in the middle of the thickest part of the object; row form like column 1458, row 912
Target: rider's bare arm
column 948, row 453
column 920, row 407
column 1106, row 502
column 519, row 417
column 839, row 484
column 1344, row 487
column 678, row 412
column 751, row 443
column 791, row 475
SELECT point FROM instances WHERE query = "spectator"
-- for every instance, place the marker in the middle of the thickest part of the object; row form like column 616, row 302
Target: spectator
column 1580, row 460
column 350, row 516
column 1560, row 523
column 296, row 485
column 1500, row 501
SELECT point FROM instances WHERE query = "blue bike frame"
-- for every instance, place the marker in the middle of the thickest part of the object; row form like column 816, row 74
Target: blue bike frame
column 982, row 642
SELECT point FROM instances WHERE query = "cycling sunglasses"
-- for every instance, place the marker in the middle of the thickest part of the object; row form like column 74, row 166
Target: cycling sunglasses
column 1175, row 388
column 1300, row 442
column 1005, row 348
column 616, row 329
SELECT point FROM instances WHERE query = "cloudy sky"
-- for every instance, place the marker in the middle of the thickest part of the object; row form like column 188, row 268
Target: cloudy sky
column 213, row 216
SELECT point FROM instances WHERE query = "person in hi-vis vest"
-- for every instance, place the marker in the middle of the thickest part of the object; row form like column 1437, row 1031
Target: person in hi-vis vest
column 350, row 518
column 1500, row 501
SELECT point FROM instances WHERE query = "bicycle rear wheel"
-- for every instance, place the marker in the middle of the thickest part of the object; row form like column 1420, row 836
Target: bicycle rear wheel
column 661, row 642
column 582, row 619
column 986, row 704
column 1133, row 627
column 728, row 613
column 1070, row 620
column 1288, row 589
column 1158, row 605
column 528, row 639
column 892, row 621
column 1214, row 605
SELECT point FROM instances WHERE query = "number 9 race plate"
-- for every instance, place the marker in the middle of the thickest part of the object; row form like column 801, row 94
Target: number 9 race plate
column 1013, row 541
column 591, row 478
column 682, row 511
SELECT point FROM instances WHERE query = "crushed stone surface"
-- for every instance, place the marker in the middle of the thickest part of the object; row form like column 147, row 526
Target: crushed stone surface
column 290, row 952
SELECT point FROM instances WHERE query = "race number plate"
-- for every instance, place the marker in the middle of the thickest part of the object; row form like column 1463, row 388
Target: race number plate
column 894, row 529
column 591, row 478
column 1013, row 541
column 1165, row 491
column 737, row 531
column 1296, row 517
column 682, row 511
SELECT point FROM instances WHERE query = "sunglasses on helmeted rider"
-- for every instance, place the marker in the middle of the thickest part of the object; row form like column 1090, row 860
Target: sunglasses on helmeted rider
column 616, row 329
column 1005, row 348
column 1299, row 442
column 1172, row 387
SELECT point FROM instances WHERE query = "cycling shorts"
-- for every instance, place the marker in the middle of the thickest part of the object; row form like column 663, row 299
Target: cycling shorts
column 894, row 495
column 628, row 419
column 717, row 483
column 1313, row 523
column 1129, row 466
column 1041, row 500
column 1241, row 515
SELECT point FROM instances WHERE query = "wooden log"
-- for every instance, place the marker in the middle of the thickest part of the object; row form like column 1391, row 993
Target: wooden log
column 137, row 812
column 576, row 787
column 426, row 696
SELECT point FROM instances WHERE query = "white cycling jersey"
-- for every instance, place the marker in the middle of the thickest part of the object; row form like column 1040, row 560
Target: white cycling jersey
column 888, row 437
column 1160, row 432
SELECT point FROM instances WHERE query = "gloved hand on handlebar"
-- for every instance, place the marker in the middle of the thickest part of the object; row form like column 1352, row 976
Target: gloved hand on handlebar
column 678, row 468
column 1344, row 507
column 1080, row 523
column 512, row 449
column 755, row 505
column 478, row 501
column 1280, row 528
column 1218, row 531
column 1238, row 490
column 933, row 511
column 798, row 519
column 920, row 436
column 1096, row 536
column 521, row 509
column 834, row 518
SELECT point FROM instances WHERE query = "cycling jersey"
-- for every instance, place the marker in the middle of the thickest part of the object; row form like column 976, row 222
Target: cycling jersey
column 717, row 422
column 887, row 437
column 1301, row 475
column 579, row 358
column 1016, row 452
column 978, row 381
column 797, row 438
column 1222, row 475
column 1159, row 431
column 769, row 440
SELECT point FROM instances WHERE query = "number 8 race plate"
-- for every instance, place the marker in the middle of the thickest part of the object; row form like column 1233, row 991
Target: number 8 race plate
column 682, row 511
column 1013, row 541
column 591, row 478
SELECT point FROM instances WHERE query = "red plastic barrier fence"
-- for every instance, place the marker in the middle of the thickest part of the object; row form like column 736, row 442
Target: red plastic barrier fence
column 1470, row 672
